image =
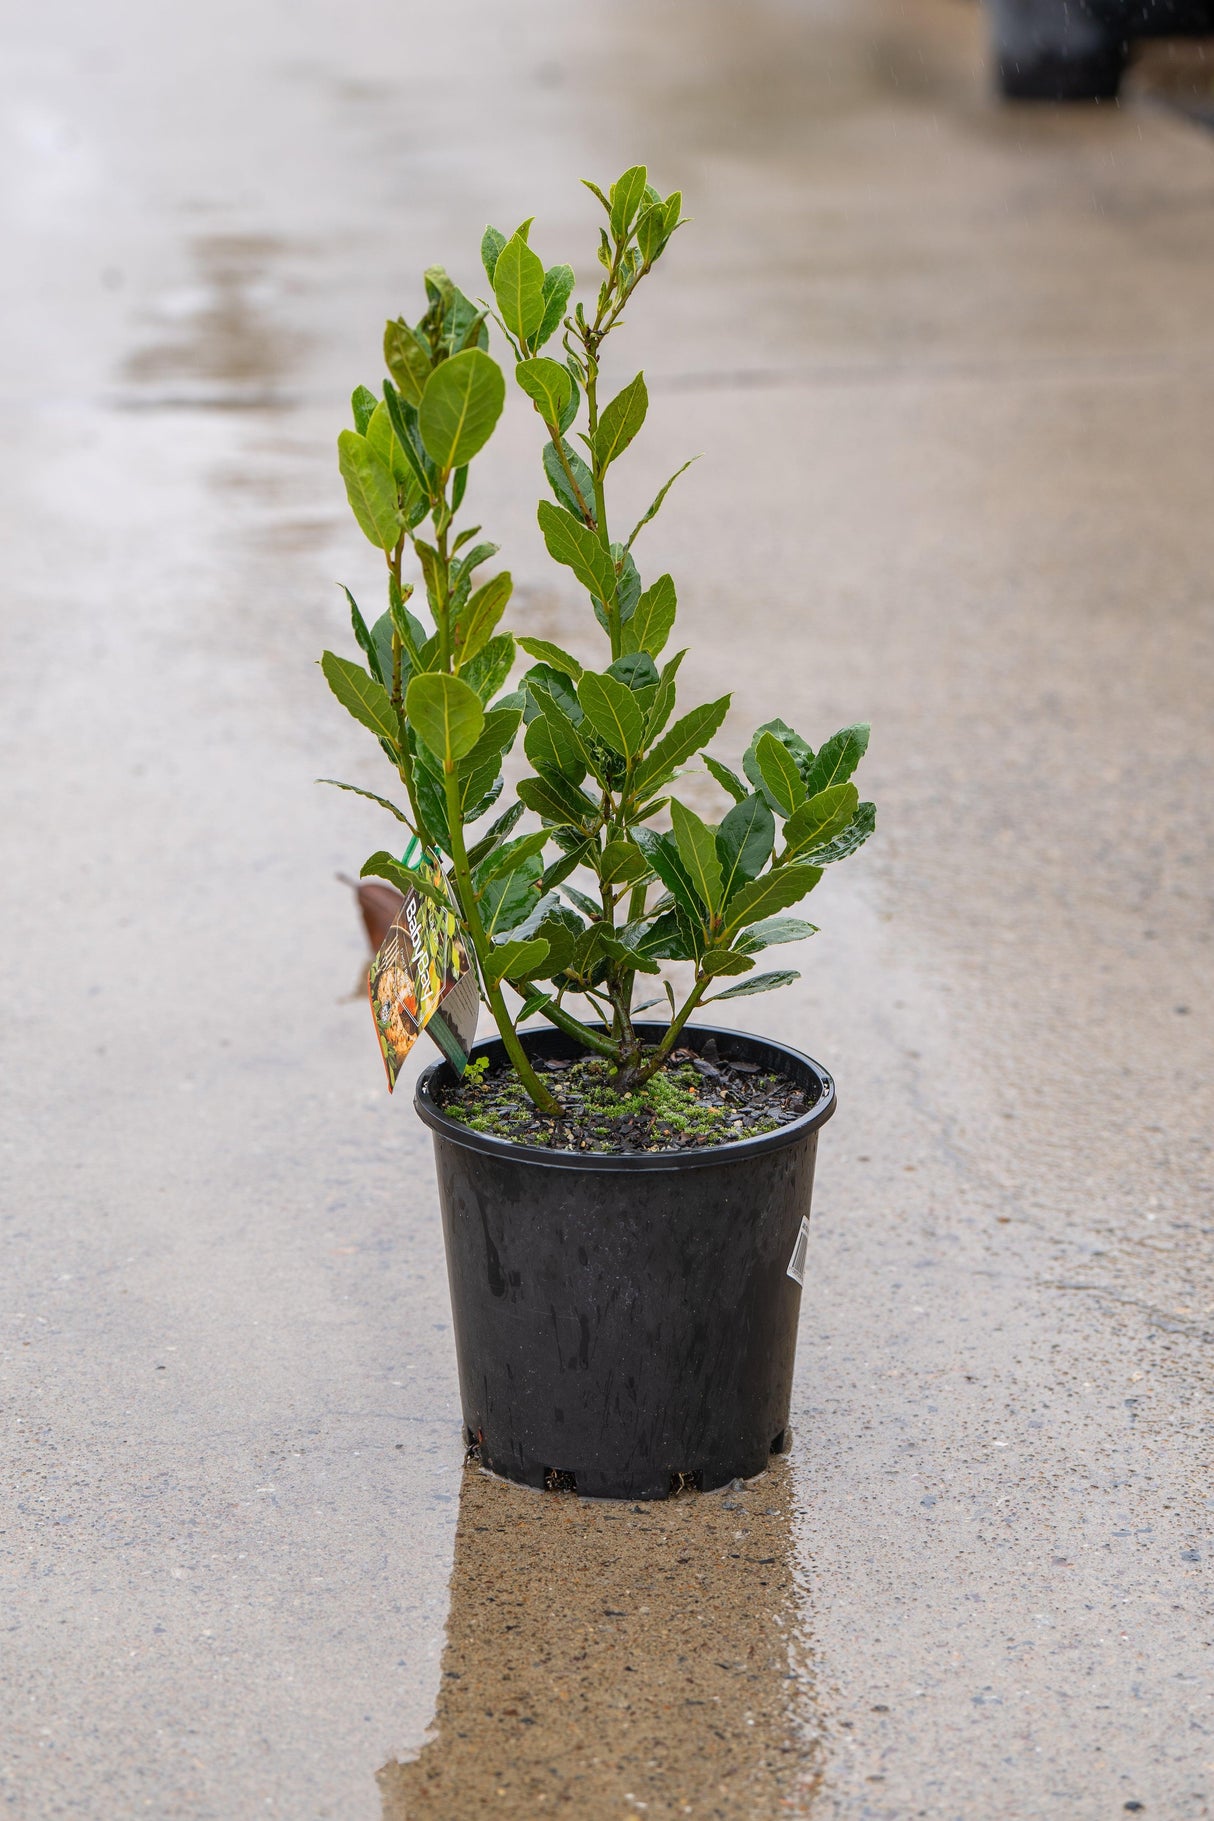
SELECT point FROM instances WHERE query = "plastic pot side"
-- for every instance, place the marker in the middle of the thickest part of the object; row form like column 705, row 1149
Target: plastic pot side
column 626, row 1324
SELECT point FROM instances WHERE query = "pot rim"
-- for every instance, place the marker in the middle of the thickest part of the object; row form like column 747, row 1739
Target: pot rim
column 553, row 1042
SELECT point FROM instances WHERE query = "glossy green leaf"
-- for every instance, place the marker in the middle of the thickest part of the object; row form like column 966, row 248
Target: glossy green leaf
column 508, row 897
column 822, row 818
column 838, row 759
column 384, row 866
column 407, row 359
column 404, row 424
column 662, row 706
column 757, row 983
column 780, row 773
column 547, row 384
column 744, row 843
column 552, row 655
column 362, row 696
column 622, row 863
column 510, row 856
column 774, row 891
column 624, row 956
column 650, row 624
column 559, row 480
column 492, row 243
column 515, row 960
column 728, row 780
column 773, row 930
column 620, row 421
column 370, row 489
column 853, row 836
column 383, row 439
column 687, row 736
column 371, row 797
column 475, row 622
column 495, row 738
column 802, row 753
column 627, row 195
column 518, row 286
column 460, row 406
column 446, row 713
column 548, row 686
column 558, row 288
column 611, row 708
column 577, row 547
column 488, row 670
column 697, row 847
column 495, row 835
column 557, row 801
column 554, row 749
column 725, row 961
column 362, row 404
column 365, row 639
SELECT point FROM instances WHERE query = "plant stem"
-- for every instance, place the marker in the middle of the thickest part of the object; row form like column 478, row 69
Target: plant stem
column 573, row 1027
column 542, row 1096
column 674, row 1031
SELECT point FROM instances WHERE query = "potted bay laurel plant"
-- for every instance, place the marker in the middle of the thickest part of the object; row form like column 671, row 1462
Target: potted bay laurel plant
column 625, row 1199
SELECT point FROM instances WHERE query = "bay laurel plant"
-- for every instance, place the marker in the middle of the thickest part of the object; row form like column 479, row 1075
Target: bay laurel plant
column 573, row 916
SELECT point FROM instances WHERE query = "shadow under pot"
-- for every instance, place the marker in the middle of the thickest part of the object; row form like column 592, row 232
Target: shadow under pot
column 626, row 1325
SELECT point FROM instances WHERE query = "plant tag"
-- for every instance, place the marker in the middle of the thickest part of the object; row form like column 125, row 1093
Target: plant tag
column 420, row 978
column 800, row 1252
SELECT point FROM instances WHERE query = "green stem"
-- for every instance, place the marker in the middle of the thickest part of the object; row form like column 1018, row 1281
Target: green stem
column 674, row 1031
column 573, row 1027
column 542, row 1097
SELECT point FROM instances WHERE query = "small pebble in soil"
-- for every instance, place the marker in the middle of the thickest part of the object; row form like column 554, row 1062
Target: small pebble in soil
column 694, row 1102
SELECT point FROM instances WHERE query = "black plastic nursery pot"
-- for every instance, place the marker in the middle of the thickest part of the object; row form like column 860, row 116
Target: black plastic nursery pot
column 627, row 1324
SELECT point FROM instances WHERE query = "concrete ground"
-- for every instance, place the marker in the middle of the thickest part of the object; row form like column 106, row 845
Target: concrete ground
column 951, row 370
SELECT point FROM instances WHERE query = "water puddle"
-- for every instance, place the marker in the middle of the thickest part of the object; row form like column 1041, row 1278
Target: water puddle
column 608, row 1658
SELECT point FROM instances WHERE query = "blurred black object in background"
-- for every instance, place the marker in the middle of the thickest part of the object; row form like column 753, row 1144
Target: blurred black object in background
column 1076, row 50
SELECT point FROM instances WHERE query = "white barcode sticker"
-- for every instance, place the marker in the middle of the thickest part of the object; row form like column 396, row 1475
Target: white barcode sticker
column 796, row 1264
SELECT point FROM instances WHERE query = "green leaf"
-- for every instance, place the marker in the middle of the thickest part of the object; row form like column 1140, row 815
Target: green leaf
column 514, row 960
column 370, row 489
column 728, row 780
column 495, row 738
column 358, row 791
column 365, row 639
column 651, row 231
column 627, row 195
column 686, row 736
column 550, row 689
column 744, row 843
column 623, row 956
column 622, row 863
column 779, row 771
column 775, row 891
column 383, row 439
column 404, row 421
column 446, row 713
column 474, row 623
column 773, row 930
column 853, row 836
column 697, row 847
column 383, row 866
column 802, row 753
column 577, row 547
column 547, row 384
column 656, row 507
column 553, row 748
column 511, row 854
column 518, row 286
column 407, row 359
column 620, row 421
column 496, row 834
column 488, row 670
column 824, row 816
column 558, row 287
column 553, row 655
column 460, row 406
column 509, row 897
column 838, row 758
column 650, row 625
column 558, row 480
column 557, row 801
column 492, row 243
column 365, row 699
column 758, row 983
column 362, row 403
column 662, row 706
column 725, row 961
column 611, row 708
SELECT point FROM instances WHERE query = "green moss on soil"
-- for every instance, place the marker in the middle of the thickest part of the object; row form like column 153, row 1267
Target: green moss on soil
column 688, row 1104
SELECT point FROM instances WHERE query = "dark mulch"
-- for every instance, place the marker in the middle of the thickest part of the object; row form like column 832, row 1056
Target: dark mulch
column 695, row 1101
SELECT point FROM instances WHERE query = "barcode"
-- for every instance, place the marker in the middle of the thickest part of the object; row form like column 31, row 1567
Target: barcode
column 796, row 1264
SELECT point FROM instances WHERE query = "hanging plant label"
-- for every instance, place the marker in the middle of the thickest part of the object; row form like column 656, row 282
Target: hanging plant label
column 420, row 979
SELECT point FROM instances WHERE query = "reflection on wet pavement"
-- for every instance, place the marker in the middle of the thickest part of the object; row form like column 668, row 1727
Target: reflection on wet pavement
column 605, row 1658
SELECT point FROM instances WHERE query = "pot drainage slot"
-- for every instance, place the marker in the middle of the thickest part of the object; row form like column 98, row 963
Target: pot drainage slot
column 777, row 1443
column 557, row 1481
column 685, row 1482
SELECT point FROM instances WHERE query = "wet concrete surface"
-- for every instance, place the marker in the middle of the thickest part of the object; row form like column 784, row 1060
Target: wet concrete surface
column 951, row 368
